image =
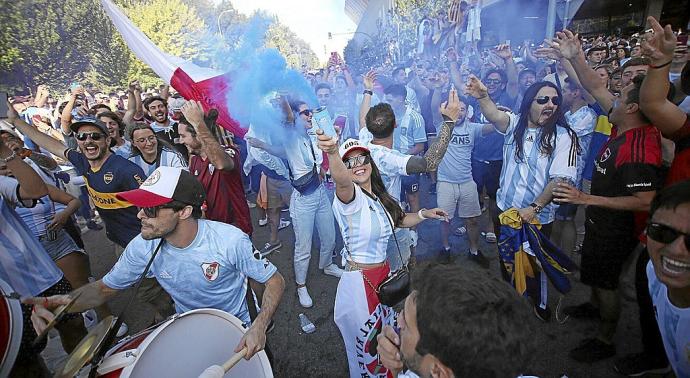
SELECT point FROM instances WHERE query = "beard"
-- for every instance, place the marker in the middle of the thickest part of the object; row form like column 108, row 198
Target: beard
column 151, row 232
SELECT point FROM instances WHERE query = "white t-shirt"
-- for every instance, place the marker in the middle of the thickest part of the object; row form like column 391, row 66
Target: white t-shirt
column 391, row 163
column 522, row 182
column 674, row 325
column 364, row 226
column 210, row 273
column 302, row 152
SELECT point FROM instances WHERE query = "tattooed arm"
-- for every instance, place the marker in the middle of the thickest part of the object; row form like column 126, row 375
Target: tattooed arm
column 429, row 163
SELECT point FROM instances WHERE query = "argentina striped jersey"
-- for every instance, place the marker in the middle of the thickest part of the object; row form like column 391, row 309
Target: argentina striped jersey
column 522, row 182
column 166, row 158
column 364, row 227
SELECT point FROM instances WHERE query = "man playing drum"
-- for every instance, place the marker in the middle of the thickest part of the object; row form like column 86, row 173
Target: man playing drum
column 201, row 263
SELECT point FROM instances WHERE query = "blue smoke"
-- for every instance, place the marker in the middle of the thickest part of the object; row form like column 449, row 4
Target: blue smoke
column 256, row 74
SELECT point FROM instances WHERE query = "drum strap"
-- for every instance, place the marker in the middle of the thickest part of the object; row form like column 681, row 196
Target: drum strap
column 251, row 304
column 112, row 333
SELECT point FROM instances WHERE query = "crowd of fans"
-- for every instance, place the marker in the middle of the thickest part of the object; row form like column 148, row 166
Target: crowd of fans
column 587, row 137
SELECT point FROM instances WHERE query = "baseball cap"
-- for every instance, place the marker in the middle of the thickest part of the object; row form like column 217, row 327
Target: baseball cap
column 164, row 185
column 349, row 146
column 89, row 121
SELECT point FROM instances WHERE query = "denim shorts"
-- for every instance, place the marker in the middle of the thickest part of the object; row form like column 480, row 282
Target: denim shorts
column 62, row 246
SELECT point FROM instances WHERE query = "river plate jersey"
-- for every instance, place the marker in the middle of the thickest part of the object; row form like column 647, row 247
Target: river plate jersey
column 116, row 175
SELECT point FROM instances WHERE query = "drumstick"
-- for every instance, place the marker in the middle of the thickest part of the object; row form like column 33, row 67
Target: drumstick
column 234, row 359
column 215, row 371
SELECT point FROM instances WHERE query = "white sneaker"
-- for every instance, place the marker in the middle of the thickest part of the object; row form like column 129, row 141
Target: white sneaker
column 283, row 223
column 414, row 238
column 263, row 222
column 304, row 298
column 122, row 330
column 333, row 270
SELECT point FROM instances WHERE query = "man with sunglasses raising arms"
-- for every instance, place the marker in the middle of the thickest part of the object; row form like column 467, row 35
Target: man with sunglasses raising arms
column 668, row 243
column 106, row 174
column 627, row 173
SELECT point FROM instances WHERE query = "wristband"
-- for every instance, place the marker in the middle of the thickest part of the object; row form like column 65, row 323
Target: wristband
column 485, row 96
column 366, row 91
column 661, row 65
column 12, row 156
column 420, row 215
column 537, row 208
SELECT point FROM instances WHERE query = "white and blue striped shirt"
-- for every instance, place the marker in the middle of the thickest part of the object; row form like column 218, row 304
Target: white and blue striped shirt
column 38, row 217
column 24, row 264
column 166, row 158
column 364, row 227
column 522, row 182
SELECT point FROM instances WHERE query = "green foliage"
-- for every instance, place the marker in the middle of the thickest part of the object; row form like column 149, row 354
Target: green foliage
column 58, row 42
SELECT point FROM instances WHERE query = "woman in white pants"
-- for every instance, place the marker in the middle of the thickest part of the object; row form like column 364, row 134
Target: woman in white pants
column 366, row 214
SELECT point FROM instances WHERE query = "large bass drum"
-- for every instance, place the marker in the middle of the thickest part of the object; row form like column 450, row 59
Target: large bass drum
column 11, row 329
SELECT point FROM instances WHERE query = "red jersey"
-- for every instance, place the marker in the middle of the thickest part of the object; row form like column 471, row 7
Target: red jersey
column 680, row 168
column 225, row 199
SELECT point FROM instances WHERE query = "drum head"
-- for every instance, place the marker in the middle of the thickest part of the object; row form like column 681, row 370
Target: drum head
column 190, row 343
column 11, row 329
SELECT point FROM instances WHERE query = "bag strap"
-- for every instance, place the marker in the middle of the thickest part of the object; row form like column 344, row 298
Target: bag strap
column 390, row 221
column 251, row 304
column 313, row 155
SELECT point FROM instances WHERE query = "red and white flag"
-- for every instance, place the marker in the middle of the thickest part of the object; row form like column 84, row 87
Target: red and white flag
column 206, row 85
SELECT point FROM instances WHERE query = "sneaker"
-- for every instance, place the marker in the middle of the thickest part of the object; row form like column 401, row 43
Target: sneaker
column 92, row 225
column 251, row 205
column 432, row 189
column 592, row 350
column 270, row 248
column 444, row 256
column 333, row 270
column 582, row 311
column 638, row 364
column 90, row 318
column 543, row 314
column 122, row 330
column 283, row 223
column 480, row 259
column 490, row 237
column 414, row 238
column 460, row 231
column 304, row 298
column 263, row 222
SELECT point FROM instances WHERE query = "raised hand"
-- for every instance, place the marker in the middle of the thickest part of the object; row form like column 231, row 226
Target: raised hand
column 503, row 51
column 660, row 43
column 475, row 87
column 193, row 112
column 451, row 108
column 549, row 51
column 369, row 79
column 567, row 43
column 451, row 55
column 326, row 143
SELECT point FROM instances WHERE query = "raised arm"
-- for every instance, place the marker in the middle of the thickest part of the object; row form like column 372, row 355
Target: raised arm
column 569, row 46
column 344, row 188
column 497, row 117
column 659, row 47
column 66, row 116
column 54, row 146
column 503, row 52
column 131, row 104
column 555, row 54
column 41, row 96
column 30, row 184
column 194, row 113
column 369, row 80
column 165, row 91
column 450, row 111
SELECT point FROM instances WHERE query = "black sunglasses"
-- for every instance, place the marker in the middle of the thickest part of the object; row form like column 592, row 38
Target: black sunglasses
column 94, row 136
column 152, row 212
column 306, row 112
column 665, row 234
column 541, row 100
column 357, row 161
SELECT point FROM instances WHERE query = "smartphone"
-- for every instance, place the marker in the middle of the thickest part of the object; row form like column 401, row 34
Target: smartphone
column 3, row 105
column 340, row 121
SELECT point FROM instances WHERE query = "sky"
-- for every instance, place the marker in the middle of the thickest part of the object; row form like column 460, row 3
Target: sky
column 311, row 20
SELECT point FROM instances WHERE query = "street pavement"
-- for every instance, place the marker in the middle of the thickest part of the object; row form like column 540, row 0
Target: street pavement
column 321, row 354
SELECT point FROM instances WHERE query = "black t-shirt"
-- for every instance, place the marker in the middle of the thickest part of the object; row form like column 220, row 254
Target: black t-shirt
column 628, row 163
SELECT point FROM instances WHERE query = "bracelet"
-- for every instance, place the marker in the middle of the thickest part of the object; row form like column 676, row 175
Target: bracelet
column 366, row 91
column 537, row 208
column 420, row 215
column 12, row 156
column 661, row 65
column 483, row 97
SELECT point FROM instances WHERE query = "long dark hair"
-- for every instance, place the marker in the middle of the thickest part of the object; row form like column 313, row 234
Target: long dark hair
column 388, row 202
column 547, row 138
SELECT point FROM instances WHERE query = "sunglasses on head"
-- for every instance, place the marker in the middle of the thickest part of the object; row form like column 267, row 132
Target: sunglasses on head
column 94, row 136
column 357, row 161
column 541, row 100
column 305, row 112
column 665, row 234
